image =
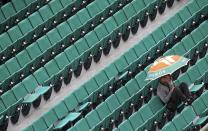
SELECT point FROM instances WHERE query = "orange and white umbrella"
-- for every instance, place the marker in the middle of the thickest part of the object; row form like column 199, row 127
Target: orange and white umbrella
column 166, row 65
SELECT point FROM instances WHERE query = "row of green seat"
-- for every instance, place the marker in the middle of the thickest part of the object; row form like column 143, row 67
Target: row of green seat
column 30, row 90
column 47, row 55
column 42, row 47
column 33, row 27
column 192, row 117
column 192, row 71
column 15, row 11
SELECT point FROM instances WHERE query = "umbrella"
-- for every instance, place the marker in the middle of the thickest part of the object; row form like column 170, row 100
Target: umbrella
column 166, row 65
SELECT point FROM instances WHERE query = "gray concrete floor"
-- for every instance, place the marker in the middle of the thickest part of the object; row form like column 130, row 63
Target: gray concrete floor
column 95, row 68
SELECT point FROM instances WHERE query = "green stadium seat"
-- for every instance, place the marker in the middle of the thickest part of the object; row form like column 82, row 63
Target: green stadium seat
column 45, row 13
column 111, row 27
column 50, row 118
column 80, row 94
column 125, row 125
column 91, row 38
column 184, row 14
column 71, row 102
column 121, row 64
column 40, row 125
column 188, row 42
column 140, row 49
column 14, row 33
column 12, row 65
column 43, row 43
column 151, row 7
column 122, row 94
column 101, row 78
column 12, row 104
column 158, row 109
column 64, row 29
column 146, row 115
column 111, row 71
column 202, row 64
column 61, row 110
column 199, row 107
column 71, row 117
column 75, row 24
column 136, row 120
column 197, row 36
column 121, row 19
column 6, row 41
column 113, row 104
column 82, row 47
column 34, row 51
column 30, row 83
column 132, row 87
column 66, row 3
column 41, row 75
column 55, row 6
column 130, row 56
column 19, row 91
column 61, row 60
column 190, row 117
column 35, row 19
column 76, row 64
column 2, row 18
column 8, row 10
column 92, row 118
column 91, row 86
column 167, row 28
column 85, row 19
column 53, row 36
column 179, row 49
column 203, row 27
column 141, row 10
column 179, row 122
column 202, row 3
column 103, row 111
column 82, row 125
column 25, row 26
column 19, row 5
column 4, row 72
column 52, row 68
column 23, row 58
column 94, row 12
column 101, row 28
column 169, row 127
column 204, row 97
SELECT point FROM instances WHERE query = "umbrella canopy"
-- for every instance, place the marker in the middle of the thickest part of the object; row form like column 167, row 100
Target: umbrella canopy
column 166, row 65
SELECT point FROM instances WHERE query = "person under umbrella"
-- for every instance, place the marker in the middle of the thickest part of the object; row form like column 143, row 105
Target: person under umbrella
column 169, row 94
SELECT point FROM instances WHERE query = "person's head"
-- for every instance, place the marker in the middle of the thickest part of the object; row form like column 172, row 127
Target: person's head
column 166, row 79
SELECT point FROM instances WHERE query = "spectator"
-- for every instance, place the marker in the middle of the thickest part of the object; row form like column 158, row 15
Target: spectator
column 172, row 95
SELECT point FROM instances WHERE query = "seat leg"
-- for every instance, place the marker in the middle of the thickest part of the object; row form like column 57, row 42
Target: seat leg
column 153, row 15
column 116, row 42
column 135, row 28
column 143, row 22
column 15, row 116
column 107, row 49
column 170, row 3
column 26, row 109
column 125, row 36
column 78, row 71
column 88, row 63
column 47, row 95
column 36, row 103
